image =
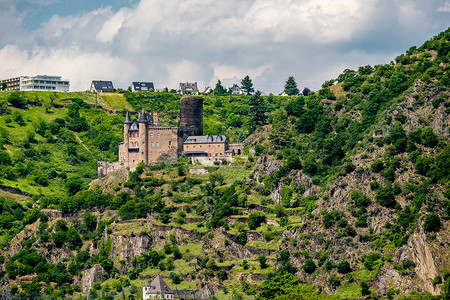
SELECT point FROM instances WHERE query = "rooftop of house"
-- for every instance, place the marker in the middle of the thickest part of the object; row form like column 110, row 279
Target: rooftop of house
column 143, row 86
column 102, row 85
column 205, row 139
column 158, row 285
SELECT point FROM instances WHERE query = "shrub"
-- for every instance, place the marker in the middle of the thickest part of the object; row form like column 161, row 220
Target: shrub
column 364, row 288
column 335, row 281
column 256, row 219
column 432, row 223
column 344, row 267
column 385, row 196
column 377, row 166
column 262, row 261
column 309, row 266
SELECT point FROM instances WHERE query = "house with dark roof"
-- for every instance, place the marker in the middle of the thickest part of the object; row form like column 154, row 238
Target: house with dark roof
column 236, row 90
column 158, row 289
column 142, row 86
column 100, row 86
column 188, row 88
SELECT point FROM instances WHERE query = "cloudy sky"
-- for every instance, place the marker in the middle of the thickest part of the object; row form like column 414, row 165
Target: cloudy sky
column 172, row 41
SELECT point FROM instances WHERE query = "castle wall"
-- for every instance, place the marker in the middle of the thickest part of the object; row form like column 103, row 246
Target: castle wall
column 105, row 167
column 213, row 149
column 211, row 161
column 163, row 143
column 237, row 148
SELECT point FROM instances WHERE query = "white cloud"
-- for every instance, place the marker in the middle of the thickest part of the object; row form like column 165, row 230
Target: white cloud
column 173, row 41
column 79, row 67
column 112, row 26
column 444, row 8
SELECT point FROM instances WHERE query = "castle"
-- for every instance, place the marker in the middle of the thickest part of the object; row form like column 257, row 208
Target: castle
column 146, row 140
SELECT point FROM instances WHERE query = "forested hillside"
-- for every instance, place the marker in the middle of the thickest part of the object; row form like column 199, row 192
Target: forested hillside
column 342, row 193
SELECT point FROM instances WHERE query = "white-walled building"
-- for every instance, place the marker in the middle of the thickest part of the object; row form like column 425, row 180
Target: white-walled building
column 37, row 83
column 158, row 289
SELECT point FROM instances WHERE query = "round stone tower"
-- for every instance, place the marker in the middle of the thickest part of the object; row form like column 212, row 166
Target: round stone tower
column 191, row 115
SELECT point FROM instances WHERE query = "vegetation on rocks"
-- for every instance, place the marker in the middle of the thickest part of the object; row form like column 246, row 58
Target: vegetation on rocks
column 341, row 193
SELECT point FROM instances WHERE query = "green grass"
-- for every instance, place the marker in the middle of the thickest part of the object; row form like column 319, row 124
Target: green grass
column 112, row 101
column 194, row 249
column 348, row 291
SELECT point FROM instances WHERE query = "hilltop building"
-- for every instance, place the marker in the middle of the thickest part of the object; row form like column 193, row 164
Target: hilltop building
column 37, row 83
column 236, row 90
column 147, row 140
column 188, row 88
column 158, row 289
column 100, row 86
column 142, row 86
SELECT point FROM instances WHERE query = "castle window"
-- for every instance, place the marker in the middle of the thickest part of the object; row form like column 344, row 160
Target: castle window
column 151, row 134
column 159, row 153
column 153, row 144
column 157, row 135
column 157, row 144
column 170, row 142
column 151, row 153
column 143, row 143
column 143, row 135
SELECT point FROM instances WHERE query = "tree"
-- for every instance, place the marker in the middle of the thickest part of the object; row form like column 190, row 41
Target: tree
column 4, row 85
column 219, row 89
column 277, row 285
column 17, row 99
column 364, row 288
column 262, row 261
column 306, row 91
column 344, row 267
column 291, row 87
column 257, row 111
column 385, row 196
column 432, row 223
column 256, row 219
column 247, row 85
column 309, row 266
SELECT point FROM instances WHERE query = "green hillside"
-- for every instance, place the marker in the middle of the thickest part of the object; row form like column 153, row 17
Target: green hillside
column 341, row 194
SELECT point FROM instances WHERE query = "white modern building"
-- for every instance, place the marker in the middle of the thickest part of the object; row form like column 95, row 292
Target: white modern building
column 36, row 83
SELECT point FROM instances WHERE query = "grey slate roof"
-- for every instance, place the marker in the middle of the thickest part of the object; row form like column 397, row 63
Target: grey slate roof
column 104, row 86
column 146, row 118
column 204, row 139
column 127, row 118
column 142, row 86
column 159, row 286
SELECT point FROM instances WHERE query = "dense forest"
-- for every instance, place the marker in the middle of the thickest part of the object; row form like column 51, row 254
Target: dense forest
column 335, row 188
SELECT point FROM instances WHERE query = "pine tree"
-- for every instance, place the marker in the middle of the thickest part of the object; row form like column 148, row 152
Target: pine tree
column 219, row 89
column 291, row 87
column 257, row 111
column 247, row 85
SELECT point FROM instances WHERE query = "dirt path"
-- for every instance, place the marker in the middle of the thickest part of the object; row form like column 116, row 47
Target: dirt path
column 10, row 152
column 81, row 142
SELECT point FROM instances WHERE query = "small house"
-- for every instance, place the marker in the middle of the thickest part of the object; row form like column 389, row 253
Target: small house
column 100, row 86
column 188, row 88
column 158, row 289
column 142, row 86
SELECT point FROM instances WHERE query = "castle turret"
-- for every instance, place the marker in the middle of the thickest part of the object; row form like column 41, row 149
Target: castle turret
column 126, row 127
column 143, row 155
column 191, row 116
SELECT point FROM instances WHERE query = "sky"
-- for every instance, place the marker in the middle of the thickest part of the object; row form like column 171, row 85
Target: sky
column 173, row 41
